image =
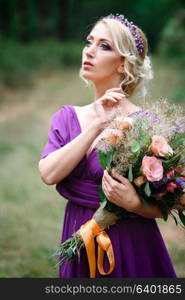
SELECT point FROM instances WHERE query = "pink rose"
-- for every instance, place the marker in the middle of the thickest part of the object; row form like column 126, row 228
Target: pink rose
column 160, row 147
column 152, row 168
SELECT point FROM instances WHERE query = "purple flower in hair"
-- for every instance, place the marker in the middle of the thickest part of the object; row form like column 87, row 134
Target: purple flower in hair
column 133, row 29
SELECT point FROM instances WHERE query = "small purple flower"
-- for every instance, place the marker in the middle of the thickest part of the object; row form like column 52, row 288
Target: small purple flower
column 181, row 182
column 177, row 129
column 153, row 118
column 177, row 122
column 133, row 29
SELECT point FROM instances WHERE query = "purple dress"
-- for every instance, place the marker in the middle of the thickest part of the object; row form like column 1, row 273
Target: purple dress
column 138, row 246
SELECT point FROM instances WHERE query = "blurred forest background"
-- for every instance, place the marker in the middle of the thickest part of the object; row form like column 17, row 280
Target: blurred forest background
column 40, row 56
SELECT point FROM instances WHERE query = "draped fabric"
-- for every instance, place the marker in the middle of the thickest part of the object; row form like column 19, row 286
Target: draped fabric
column 138, row 245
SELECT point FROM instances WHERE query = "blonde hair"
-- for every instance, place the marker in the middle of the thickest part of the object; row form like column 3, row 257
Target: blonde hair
column 137, row 66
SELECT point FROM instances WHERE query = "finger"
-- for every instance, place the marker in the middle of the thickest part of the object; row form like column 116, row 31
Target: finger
column 116, row 94
column 109, row 98
column 114, row 89
column 104, row 184
column 105, row 190
column 109, row 180
column 107, row 193
column 119, row 177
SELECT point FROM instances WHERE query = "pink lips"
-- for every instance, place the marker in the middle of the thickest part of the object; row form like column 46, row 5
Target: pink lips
column 87, row 64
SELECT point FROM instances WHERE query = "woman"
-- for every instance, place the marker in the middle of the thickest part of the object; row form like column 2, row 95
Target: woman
column 115, row 60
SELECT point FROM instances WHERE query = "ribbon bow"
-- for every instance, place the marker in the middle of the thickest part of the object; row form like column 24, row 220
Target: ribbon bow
column 88, row 231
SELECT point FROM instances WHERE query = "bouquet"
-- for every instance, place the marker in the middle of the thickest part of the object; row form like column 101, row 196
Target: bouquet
column 148, row 148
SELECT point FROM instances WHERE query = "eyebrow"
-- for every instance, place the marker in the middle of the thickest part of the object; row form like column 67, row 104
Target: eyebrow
column 101, row 40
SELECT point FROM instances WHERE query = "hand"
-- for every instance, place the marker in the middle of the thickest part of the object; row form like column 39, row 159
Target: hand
column 121, row 193
column 107, row 104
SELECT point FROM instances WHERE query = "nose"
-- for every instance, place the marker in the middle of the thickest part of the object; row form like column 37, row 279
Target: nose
column 90, row 51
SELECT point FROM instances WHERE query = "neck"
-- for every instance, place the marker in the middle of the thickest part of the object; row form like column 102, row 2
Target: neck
column 101, row 88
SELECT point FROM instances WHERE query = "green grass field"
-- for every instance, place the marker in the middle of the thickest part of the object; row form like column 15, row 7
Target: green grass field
column 31, row 213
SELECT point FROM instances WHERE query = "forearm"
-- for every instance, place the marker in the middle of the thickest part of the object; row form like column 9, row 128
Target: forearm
column 60, row 163
column 148, row 212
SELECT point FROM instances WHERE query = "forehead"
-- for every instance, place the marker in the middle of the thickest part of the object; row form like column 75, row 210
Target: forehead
column 101, row 31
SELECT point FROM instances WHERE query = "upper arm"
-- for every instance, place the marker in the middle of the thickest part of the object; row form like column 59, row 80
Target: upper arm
column 57, row 134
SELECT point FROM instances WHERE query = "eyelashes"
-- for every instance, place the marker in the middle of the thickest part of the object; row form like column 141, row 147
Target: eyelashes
column 102, row 45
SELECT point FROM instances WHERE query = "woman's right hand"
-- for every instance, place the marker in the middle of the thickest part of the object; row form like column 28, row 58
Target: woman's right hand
column 106, row 106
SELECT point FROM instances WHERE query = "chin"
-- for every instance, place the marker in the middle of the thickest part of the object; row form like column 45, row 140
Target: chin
column 87, row 75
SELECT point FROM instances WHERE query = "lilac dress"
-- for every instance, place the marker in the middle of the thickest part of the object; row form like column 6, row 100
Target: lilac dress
column 138, row 246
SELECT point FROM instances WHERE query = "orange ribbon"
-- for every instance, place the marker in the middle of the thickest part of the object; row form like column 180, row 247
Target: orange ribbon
column 88, row 231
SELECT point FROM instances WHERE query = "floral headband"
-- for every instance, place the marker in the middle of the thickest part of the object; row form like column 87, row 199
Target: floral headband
column 133, row 29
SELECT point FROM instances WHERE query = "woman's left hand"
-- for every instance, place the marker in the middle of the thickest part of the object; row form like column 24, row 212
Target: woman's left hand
column 121, row 193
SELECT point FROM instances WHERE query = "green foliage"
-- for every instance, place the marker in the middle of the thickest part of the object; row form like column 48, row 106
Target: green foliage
column 19, row 64
column 169, row 164
column 145, row 202
column 147, row 189
column 105, row 158
column 102, row 194
column 164, row 212
column 32, row 20
column 182, row 217
column 14, row 22
column 178, row 140
column 172, row 40
column 130, row 174
column 102, row 159
column 135, row 146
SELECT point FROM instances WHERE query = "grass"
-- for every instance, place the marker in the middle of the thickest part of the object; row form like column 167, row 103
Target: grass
column 178, row 258
column 30, row 218
column 31, row 214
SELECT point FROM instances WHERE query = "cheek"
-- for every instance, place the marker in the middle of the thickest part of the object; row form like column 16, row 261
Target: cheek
column 108, row 63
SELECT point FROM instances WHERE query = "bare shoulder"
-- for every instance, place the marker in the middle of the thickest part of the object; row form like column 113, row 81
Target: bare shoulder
column 79, row 108
column 84, row 111
column 84, row 115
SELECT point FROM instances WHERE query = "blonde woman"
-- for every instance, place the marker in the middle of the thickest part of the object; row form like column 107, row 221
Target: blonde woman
column 115, row 61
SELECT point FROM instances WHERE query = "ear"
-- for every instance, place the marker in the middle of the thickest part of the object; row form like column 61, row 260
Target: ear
column 120, row 68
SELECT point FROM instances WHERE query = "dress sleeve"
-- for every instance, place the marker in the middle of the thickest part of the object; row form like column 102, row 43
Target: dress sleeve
column 56, row 133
